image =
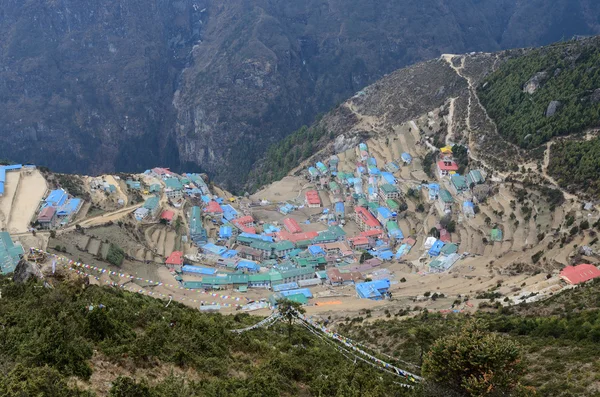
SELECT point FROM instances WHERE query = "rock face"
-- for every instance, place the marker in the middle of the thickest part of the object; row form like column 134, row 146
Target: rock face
column 552, row 108
column 26, row 270
column 94, row 87
column 533, row 83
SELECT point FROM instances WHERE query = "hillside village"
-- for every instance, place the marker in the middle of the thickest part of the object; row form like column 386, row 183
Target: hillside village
column 392, row 222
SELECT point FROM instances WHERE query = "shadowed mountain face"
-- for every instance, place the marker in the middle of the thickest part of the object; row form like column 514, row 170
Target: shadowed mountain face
column 125, row 84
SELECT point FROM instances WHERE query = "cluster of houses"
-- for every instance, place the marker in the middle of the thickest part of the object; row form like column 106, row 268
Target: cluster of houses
column 58, row 209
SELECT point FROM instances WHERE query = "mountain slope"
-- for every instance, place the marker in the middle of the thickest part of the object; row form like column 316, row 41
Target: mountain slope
column 201, row 83
column 53, row 340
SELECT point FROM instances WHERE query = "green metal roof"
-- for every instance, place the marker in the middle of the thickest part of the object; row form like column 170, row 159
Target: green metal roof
column 449, row 249
column 257, row 278
column 155, row 187
column 296, row 272
column 260, row 245
column 283, row 245
column 333, row 186
column 496, row 235
column 392, row 204
column 446, row 196
column 275, row 276
column 324, row 237
column 310, row 262
column 9, row 253
column 173, row 183
column 392, row 225
column 337, row 230
column 194, row 284
column 303, row 243
column 459, row 182
column 243, row 288
column 151, row 203
column 300, row 298
column 387, row 188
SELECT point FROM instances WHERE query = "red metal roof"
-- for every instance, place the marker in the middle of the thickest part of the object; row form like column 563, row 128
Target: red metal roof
column 579, row 274
column 291, row 225
column 168, row 215
column 295, row 237
column 176, row 258
column 445, row 236
column 214, row 208
column 358, row 240
column 372, row 233
column 46, row 214
column 367, row 218
column 447, row 165
column 312, row 197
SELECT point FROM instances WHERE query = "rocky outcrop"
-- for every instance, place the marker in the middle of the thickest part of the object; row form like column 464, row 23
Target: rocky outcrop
column 553, row 107
column 534, row 83
column 26, row 270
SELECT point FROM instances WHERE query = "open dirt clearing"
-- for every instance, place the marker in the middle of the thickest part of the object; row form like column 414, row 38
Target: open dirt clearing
column 30, row 192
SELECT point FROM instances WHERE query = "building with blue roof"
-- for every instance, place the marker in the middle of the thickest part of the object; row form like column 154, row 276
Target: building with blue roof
column 383, row 215
column 375, row 290
column 285, row 287
column 211, row 248
column 71, row 207
column 229, row 213
column 469, row 209
column 198, row 270
column 388, row 178
column 340, row 210
column 225, row 232
column 407, row 158
column 304, row 291
column 2, row 180
column 56, row 198
column 434, row 191
column 248, row 266
column 436, row 248
column 315, row 250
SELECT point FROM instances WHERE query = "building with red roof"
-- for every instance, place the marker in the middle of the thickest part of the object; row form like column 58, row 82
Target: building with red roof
column 359, row 242
column 213, row 208
column 446, row 167
column 295, row 237
column 167, row 216
column 291, row 225
column 312, row 199
column 445, row 236
column 579, row 274
column 175, row 260
column 365, row 220
column 47, row 217
column 374, row 233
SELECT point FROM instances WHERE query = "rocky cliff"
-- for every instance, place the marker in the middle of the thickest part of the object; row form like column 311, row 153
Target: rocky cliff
column 121, row 84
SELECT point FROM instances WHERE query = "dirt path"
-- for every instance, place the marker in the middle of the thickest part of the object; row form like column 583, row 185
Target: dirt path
column 30, row 191
column 450, row 122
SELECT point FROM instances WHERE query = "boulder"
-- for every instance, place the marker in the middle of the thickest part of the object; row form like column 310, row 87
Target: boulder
column 552, row 108
column 534, row 82
column 26, row 270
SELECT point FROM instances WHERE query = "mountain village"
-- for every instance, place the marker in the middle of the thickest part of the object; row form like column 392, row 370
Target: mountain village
column 362, row 229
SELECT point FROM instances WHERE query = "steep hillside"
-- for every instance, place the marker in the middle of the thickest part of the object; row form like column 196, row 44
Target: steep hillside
column 78, row 340
column 211, row 84
column 559, row 337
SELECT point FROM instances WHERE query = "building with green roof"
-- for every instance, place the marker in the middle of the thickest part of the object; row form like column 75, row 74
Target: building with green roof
column 392, row 204
column 458, row 183
column 282, row 248
column 152, row 204
column 10, row 253
column 173, row 183
column 449, row 249
column 297, row 274
column 387, row 191
column 155, row 188
column 496, row 235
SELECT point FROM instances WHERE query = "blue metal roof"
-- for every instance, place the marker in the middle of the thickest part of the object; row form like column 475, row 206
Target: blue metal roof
column 436, row 248
column 316, row 250
column 406, row 157
column 304, row 291
column 13, row 167
column 225, row 232
column 389, row 178
column 373, row 289
column 257, row 237
column 2, row 174
column 339, row 207
column 285, row 287
column 245, row 264
column 385, row 213
column 198, row 270
column 69, row 207
column 56, row 198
